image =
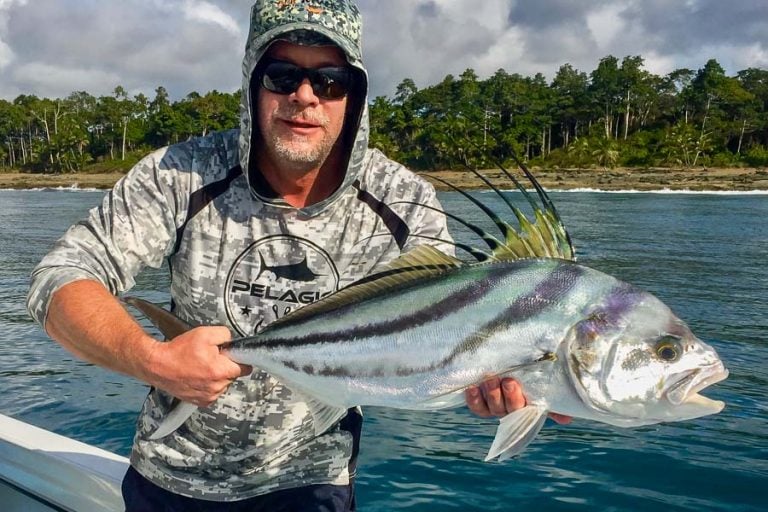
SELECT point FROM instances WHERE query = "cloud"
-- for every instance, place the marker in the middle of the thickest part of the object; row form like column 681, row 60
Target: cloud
column 427, row 40
column 684, row 26
column 6, row 55
column 184, row 45
column 49, row 80
column 606, row 25
column 206, row 12
column 51, row 47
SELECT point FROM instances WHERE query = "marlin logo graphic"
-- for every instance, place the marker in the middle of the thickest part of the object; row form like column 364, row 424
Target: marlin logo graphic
column 294, row 272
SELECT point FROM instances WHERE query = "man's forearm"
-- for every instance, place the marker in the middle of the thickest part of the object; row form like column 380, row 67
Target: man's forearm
column 88, row 321
column 91, row 323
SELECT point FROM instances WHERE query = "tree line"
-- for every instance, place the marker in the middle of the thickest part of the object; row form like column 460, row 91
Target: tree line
column 66, row 134
column 619, row 114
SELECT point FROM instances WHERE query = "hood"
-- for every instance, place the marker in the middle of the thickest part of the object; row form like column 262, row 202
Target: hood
column 336, row 20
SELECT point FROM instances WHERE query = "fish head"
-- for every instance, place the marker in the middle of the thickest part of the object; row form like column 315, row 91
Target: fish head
column 635, row 362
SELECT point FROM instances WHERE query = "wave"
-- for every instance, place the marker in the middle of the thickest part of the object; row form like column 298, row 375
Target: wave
column 75, row 188
column 665, row 191
column 70, row 188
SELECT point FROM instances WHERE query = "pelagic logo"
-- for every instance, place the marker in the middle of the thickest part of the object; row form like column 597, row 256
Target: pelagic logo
column 274, row 276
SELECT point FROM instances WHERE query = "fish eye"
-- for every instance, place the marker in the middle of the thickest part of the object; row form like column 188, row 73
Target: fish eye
column 668, row 348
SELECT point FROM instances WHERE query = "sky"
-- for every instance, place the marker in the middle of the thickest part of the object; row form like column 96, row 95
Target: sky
column 51, row 48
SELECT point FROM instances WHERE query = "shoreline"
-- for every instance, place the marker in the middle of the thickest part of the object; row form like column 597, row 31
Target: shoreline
column 638, row 179
column 625, row 179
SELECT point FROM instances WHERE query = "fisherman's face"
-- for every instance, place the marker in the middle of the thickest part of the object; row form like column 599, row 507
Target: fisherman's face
column 300, row 129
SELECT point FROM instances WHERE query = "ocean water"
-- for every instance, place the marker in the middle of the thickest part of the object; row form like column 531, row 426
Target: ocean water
column 704, row 254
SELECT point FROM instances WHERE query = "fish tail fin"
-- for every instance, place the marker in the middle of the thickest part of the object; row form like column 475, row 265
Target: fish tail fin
column 168, row 323
column 516, row 431
column 170, row 326
column 177, row 415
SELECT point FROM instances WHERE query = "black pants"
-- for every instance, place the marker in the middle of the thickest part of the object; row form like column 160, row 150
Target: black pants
column 141, row 495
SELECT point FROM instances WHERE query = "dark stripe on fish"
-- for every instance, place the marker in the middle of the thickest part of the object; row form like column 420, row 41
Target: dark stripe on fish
column 457, row 300
column 558, row 284
column 619, row 301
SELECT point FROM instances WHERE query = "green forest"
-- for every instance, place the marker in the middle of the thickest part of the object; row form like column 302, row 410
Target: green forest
column 619, row 114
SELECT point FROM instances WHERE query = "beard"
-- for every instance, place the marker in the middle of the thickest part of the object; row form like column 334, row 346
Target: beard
column 298, row 152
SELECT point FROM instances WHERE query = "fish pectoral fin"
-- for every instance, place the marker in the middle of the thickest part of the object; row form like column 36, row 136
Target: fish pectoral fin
column 176, row 417
column 516, row 431
column 452, row 398
column 455, row 397
column 324, row 415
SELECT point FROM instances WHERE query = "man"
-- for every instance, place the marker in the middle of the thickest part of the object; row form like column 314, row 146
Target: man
column 254, row 222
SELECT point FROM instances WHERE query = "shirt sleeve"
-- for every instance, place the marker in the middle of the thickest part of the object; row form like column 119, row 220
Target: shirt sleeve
column 134, row 227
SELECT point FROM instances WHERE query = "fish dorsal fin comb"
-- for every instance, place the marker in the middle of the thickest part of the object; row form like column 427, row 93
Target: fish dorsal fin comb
column 422, row 262
column 543, row 237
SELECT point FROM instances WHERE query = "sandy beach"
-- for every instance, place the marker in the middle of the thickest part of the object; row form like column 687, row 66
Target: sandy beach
column 17, row 180
column 730, row 179
column 727, row 179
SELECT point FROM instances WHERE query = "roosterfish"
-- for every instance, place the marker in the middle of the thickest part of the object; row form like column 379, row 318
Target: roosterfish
column 418, row 333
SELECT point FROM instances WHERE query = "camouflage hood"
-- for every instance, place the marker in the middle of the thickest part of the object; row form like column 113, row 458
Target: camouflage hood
column 335, row 20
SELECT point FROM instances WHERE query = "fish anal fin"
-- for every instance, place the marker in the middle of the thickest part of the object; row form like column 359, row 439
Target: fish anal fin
column 422, row 262
column 324, row 415
column 516, row 431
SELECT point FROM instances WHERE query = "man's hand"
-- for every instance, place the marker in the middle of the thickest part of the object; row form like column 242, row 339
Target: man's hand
column 89, row 322
column 191, row 366
column 499, row 397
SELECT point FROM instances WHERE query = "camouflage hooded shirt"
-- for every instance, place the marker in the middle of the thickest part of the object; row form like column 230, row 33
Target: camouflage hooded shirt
column 241, row 259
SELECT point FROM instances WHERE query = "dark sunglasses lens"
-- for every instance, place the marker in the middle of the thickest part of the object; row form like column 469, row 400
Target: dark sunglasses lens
column 331, row 83
column 281, row 77
column 328, row 83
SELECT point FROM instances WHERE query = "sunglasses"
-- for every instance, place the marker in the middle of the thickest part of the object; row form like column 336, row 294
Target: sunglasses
column 330, row 83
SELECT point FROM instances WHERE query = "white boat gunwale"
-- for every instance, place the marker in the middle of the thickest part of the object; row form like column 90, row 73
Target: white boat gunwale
column 53, row 472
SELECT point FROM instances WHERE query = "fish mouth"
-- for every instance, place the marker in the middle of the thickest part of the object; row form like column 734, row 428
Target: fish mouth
column 686, row 390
